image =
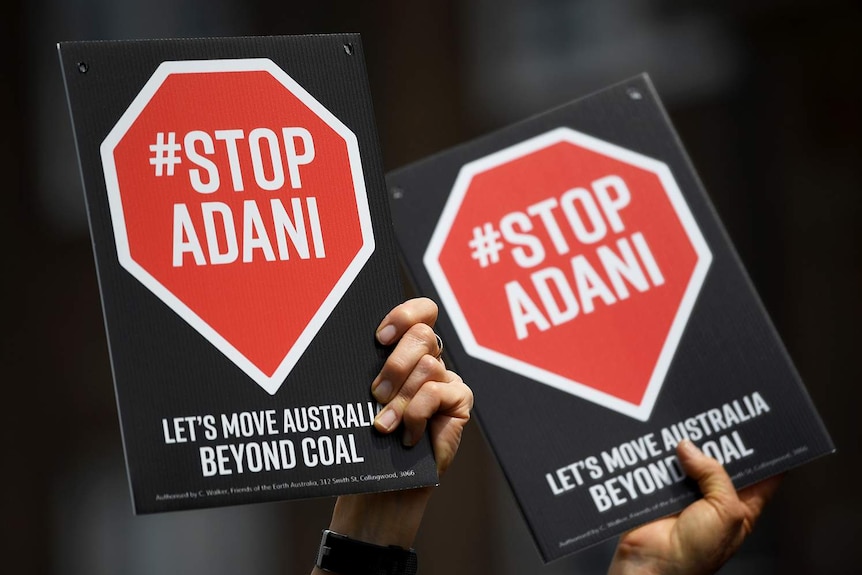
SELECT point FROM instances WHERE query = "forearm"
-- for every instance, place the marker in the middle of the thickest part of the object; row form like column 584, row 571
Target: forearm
column 390, row 518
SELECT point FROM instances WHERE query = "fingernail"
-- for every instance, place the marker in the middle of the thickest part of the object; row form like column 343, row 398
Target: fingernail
column 386, row 335
column 688, row 448
column 407, row 438
column 382, row 391
column 386, row 419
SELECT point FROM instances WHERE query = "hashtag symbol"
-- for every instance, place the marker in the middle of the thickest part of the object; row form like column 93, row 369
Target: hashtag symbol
column 485, row 245
column 165, row 153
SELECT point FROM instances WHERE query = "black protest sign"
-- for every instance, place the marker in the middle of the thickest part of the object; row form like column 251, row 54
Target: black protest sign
column 245, row 256
column 594, row 303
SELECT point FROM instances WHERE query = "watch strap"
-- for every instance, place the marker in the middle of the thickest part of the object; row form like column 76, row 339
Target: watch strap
column 345, row 556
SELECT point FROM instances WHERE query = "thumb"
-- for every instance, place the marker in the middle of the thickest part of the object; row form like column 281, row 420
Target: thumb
column 712, row 479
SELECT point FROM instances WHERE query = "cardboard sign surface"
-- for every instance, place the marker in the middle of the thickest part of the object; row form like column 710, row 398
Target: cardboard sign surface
column 245, row 257
column 594, row 303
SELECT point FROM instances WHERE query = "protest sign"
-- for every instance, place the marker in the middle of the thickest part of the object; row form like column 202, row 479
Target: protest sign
column 245, row 256
column 593, row 301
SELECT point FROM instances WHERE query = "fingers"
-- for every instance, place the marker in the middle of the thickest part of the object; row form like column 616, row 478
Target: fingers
column 426, row 371
column 448, row 425
column 417, row 344
column 418, row 390
column 448, row 399
column 412, row 363
column 404, row 316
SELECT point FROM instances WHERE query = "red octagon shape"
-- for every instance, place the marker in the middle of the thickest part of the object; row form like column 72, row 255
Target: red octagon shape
column 238, row 199
column 573, row 262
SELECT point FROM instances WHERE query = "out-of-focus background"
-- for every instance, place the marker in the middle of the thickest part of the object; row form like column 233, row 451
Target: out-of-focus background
column 766, row 96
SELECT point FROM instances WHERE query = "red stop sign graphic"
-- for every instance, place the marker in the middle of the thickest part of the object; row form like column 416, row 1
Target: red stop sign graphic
column 239, row 201
column 573, row 262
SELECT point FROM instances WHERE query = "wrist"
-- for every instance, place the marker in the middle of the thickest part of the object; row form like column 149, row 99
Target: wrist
column 390, row 518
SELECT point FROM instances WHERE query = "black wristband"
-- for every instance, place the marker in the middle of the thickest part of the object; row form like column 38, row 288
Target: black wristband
column 345, row 556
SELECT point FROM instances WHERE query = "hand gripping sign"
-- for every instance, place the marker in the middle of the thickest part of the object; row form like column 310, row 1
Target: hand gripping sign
column 573, row 262
column 239, row 200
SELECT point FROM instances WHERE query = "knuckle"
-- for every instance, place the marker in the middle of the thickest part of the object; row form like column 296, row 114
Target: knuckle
column 429, row 365
column 407, row 314
column 397, row 364
column 423, row 334
column 413, row 412
column 432, row 388
column 400, row 403
column 732, row 516
column 465, row 390
column 737, row 514
column 431, row 305
column 418, row 412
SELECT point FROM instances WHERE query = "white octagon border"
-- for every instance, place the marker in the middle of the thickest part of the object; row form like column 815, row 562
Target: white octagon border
column 640, row 411
column 270, row 384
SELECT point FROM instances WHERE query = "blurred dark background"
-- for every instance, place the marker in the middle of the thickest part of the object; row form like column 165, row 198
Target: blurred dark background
column 766, row 96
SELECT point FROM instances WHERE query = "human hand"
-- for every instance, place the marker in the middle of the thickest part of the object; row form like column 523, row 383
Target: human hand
column 415, row 385
column 706, row 534
column 418, row 392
